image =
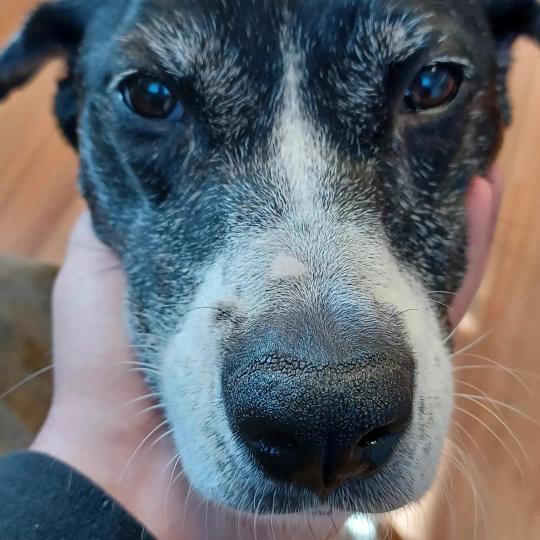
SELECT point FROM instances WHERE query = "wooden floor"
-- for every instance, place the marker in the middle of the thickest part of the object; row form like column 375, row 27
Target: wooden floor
column 487, row 497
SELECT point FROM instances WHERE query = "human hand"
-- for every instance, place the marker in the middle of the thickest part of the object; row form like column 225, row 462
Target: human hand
column 103, row 422
column 483, row 206
column 99, row 415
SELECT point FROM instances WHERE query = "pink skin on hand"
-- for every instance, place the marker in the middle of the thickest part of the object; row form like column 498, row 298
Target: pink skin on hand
column 483, row 205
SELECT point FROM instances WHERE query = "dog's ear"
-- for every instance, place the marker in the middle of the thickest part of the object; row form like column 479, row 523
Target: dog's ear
column 510, row 19
column 53, row 30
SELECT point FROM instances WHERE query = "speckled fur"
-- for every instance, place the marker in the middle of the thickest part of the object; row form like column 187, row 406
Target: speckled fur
column 294, row 152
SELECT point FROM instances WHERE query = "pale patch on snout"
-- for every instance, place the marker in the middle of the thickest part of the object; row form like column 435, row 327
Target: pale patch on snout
column 286, row 266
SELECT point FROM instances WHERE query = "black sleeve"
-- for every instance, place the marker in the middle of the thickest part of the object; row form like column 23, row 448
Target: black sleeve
column 41, row 498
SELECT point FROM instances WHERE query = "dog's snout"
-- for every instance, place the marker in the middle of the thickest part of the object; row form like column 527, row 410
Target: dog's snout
column 320, row 425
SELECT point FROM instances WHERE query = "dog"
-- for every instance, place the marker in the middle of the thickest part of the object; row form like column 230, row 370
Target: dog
column 284, row 182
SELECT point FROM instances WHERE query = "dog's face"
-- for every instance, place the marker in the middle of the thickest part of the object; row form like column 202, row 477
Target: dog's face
column 284, row 182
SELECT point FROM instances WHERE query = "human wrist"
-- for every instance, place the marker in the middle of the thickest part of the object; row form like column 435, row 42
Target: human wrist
column 64, row 442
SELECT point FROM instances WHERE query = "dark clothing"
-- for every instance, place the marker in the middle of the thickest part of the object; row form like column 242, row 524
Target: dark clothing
column 41, row 498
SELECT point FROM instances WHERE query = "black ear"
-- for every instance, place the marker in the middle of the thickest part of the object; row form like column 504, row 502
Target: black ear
column 513, row 18
column 510, row 19
column 53, row 30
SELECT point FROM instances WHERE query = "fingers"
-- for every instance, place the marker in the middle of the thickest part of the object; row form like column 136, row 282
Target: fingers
column 83, row 238
column 483, row 206
column 495, row 178
column 88, row 300
column 86, row 255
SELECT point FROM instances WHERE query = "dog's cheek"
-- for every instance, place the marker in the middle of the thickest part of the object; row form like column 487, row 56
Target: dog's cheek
column 433, row 394
column 106, row 181
column 434, row 399
column 190, row 386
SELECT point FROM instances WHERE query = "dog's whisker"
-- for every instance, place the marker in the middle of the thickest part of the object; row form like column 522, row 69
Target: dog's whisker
column 495, row 435
column 156, row 407
column 442, row 292
column 513, row 372
column 504, row 405
column 463, row 464
column 161, row 437
column 186, row 503
column 25, row 381
column 508, row 371
column 255, row 515
column 144, row 397
column 178, row 476
column 452, row 333
column 334, row 526
column 460, row 448
column 272, row 516
column 522, row 302
column 475, row 388
column 161, row 307
column 459, row 462
column 478, row 448
column 175, row 458
column 307, row 517
column 441, row 304
column 408, row 310
column 168, row 464
column 172, row 483
column 469, row 466
column 144, row 365
column 421, row 505
column 206, row 520
column 139, row 447
column 149, row 374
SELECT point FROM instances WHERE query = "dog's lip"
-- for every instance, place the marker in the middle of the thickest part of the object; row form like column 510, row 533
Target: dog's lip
column 336, row 521
column 318, row 512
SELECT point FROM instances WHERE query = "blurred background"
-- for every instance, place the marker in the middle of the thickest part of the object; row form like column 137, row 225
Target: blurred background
column 489, row 487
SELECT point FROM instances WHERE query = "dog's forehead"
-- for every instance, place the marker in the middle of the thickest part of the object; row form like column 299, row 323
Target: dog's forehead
column 181, row 33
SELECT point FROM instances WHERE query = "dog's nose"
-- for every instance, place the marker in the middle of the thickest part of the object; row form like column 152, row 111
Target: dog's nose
column 321, row 467
column 319, row 426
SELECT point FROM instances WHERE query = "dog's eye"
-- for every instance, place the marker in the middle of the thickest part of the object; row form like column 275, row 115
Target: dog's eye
column 150, row 98
column 435, row 86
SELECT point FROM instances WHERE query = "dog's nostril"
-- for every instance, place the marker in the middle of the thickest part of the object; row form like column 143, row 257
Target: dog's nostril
column 274, row 443
column 277, row 451
column 371, row 439
column 375, row 448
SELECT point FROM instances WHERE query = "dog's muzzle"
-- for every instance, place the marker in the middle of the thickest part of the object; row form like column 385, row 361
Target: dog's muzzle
column 317, row 417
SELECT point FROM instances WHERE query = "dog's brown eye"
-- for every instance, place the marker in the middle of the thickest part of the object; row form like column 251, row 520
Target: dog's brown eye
column 435, row 86
column 150, row 98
